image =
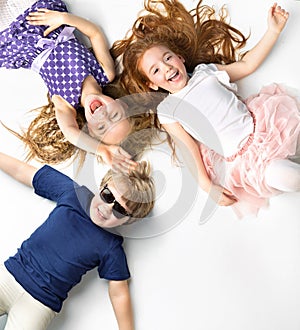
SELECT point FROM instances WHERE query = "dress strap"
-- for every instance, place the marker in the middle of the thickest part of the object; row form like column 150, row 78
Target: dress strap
column 49, row 44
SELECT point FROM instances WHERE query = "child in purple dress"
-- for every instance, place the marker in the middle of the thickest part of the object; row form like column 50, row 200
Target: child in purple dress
column 42, row 39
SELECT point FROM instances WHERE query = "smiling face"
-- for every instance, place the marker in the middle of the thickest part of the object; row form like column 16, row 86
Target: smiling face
column 106, row 118
column 164, row 69
column 101, row 213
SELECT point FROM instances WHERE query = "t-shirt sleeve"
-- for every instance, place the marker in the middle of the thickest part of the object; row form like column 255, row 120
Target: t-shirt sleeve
column 211, row 67
column 51, row 184
column 114, row 266
column 165, row 110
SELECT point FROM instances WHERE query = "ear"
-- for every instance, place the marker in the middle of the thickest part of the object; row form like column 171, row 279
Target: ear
column 181, row 58
column 152, row 86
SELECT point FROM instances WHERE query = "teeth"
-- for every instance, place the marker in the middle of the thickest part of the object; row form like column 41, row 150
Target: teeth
column 97, row 109
column 172, row 76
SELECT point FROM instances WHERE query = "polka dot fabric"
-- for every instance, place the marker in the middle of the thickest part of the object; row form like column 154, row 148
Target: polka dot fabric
column 68, row 64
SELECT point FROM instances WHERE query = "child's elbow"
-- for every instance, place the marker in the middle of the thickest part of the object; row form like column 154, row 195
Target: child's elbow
column 111, row 74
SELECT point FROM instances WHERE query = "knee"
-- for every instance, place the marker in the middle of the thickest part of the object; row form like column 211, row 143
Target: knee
column 283, row 175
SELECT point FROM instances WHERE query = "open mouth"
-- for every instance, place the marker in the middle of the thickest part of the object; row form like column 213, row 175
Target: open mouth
column 95, row 105
column 174, row 76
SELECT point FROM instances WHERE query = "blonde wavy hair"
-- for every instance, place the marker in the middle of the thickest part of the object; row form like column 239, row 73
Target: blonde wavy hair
column 200, row 36
column 139, row 194
column 45, row 142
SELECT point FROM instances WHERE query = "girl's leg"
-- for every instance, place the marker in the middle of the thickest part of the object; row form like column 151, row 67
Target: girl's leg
column 283, row 175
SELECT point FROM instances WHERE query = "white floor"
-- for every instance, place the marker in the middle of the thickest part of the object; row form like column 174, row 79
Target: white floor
column 223, row 273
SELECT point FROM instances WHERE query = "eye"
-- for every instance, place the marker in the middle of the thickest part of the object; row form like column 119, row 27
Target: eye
column 168, row 58
column 115, row 116
column 155, row 71
column 101, row 128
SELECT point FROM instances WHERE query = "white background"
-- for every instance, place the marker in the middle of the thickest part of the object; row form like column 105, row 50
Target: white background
column 225, row 274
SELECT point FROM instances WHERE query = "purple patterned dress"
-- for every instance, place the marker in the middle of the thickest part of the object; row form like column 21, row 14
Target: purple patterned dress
column 61, row 60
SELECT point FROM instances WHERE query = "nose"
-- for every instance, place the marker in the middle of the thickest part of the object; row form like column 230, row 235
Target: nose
column 102, row 114
column 106, row 209
column 167, row 66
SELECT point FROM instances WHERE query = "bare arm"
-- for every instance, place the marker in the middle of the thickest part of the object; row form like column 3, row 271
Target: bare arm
column 17, row 169
column 120, row 298
column 277, row 18
column 98, row 41
column 66, row 119
column 193, row 159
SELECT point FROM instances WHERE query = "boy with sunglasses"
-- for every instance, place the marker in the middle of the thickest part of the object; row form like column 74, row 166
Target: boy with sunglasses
column 36, row 280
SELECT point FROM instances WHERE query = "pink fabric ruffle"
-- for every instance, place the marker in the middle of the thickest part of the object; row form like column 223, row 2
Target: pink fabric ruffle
column 277, row 127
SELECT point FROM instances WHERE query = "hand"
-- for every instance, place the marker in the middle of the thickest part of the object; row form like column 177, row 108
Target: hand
column 45, row 16
column 117, row 158
column 222, row 196
column 277, row 18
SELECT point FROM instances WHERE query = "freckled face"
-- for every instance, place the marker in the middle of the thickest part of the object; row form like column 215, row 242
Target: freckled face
column 164, row 69
column 106, row 118
column 101, row 213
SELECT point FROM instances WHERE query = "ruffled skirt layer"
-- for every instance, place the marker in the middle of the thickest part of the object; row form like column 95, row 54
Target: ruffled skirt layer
column 277, row 125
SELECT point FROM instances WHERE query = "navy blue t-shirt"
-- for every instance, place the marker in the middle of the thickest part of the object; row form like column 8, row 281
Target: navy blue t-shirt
column 67, row 245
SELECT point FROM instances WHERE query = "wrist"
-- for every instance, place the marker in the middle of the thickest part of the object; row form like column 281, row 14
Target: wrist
column 206, row 185
column 273, row 31
column 101, row 149
column 66, row 18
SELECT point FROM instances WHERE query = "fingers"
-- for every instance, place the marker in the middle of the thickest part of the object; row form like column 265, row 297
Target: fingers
column 227, row 201
column 222, row 196
column 124, row 166
column 279, row 10
column 37, row 17
column 121, row 161
column 124, row 153
column 125, row 157
column 48, row 30
column 230, row 195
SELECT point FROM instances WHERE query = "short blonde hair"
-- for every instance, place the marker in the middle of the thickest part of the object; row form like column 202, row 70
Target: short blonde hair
column 138, row 189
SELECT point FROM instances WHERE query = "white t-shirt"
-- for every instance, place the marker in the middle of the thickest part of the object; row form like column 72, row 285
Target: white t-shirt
column 210, row 111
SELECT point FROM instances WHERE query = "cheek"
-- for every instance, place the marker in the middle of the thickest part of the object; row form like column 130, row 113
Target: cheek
column 94, row 133
column 114, row 222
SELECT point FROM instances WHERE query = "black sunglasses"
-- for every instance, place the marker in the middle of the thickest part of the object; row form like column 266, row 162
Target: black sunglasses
column 117, row 209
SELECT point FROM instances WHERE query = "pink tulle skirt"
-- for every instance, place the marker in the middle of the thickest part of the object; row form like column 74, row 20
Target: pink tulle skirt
column 277, row 126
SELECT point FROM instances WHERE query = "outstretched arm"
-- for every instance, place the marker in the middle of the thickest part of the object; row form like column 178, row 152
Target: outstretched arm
column 98, row 41
column 193, row 159
column 277, row 18
column 112, row 155
column 120, row 298
column 17, row 169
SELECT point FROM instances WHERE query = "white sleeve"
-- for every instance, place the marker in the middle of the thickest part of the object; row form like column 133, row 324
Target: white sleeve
column 163, row 119
column 165, row 110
